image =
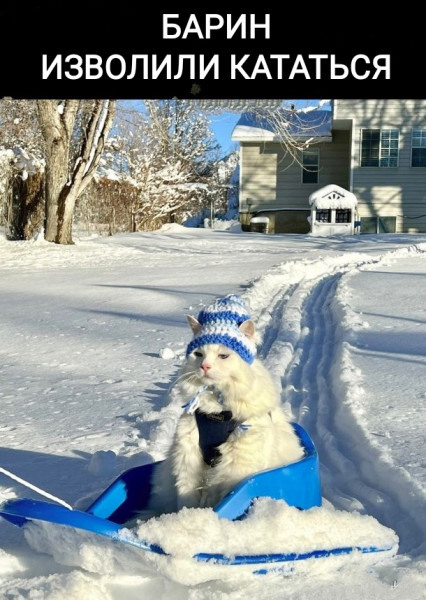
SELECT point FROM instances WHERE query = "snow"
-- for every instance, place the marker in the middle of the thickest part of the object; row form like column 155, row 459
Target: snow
column 259, row 220
column 92, row 337
column 333, row 196
column 196, row 531
column 167, row 353
column 302, row 125
column 21, row 160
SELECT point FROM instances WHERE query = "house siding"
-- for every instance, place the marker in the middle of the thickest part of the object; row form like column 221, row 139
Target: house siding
column 271, row 179
column 398, row 192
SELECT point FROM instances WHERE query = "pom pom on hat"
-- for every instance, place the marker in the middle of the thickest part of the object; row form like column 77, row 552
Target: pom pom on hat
column 220, row 323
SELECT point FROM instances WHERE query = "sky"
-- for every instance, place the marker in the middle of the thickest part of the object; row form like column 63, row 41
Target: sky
column 223, row 124
column 93, row 335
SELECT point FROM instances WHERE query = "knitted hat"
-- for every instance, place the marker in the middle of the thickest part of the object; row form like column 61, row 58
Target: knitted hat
column 219, row 324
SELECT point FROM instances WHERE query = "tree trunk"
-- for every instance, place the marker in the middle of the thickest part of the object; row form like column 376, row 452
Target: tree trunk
column 65, row 181
column 25, row 215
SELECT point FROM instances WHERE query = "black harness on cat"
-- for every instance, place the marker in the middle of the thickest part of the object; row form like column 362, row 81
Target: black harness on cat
column 214, row 429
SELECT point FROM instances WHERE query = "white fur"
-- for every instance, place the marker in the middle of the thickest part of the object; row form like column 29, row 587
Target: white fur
column 184, row 479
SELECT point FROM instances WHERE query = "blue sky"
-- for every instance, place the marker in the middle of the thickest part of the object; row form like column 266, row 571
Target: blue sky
column 222, row 126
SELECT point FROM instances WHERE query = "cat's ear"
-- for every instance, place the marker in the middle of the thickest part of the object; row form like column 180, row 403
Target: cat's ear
column 247, row 328
column 194, row 324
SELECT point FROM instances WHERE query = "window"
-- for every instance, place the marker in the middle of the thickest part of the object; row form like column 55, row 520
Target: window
column 323, row 215
column 310, row 162
column 343, row 215
column 418, row 148
column 379, row 147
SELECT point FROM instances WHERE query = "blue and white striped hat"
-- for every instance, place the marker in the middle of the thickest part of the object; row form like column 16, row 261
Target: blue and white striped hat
column 219, row 324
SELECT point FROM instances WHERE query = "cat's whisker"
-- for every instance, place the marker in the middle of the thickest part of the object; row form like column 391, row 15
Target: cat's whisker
column 190, row 377
column 185, row 375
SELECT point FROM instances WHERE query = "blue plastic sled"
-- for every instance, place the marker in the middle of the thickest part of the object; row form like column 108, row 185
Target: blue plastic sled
column 298, row 484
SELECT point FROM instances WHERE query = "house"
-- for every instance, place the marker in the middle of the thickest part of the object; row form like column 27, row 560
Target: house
column 375, row 149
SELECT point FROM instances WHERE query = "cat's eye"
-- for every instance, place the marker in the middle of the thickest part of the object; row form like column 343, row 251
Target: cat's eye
column 223, row 356
column 199, row 354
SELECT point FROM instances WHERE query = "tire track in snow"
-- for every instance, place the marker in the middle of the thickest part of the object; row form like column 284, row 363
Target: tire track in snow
column 305, row 379
column 271, row 330
column 317, row 405
column 354, row 475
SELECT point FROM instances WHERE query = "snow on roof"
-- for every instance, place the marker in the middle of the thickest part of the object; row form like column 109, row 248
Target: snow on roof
column 314, row 124
column 332, row 196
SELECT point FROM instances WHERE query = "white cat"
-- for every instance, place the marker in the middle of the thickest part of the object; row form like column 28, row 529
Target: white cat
column 233, row 424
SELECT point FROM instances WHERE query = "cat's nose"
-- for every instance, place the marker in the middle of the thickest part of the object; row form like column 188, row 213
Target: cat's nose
column 205, row 367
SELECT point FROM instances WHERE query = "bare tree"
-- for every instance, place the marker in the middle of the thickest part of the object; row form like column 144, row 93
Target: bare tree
column 74, row 132
column 166, row 148
column 289, row 121
column 179, row 147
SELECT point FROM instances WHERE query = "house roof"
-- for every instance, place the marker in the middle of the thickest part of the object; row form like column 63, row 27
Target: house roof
column 255, row 127
column 332, row 196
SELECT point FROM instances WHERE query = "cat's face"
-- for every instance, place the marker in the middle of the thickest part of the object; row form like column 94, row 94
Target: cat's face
column 214, row 364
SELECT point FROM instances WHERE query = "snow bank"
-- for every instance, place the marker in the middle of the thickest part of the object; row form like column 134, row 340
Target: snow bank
column 171, row 228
